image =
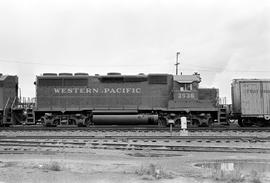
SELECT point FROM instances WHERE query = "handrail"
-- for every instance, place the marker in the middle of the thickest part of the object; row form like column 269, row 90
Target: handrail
column 6, row 103
column 13, row 103
column 4, row 112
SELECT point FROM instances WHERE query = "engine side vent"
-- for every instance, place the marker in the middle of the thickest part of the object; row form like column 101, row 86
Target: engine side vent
column 81, row 74
column 49, row 74
column 50, row 82
column 135, row 78
column 65, row 74
column 112, row 79
column 157, row 78
column 208, row 94
column 75, row 82
column 113, row 74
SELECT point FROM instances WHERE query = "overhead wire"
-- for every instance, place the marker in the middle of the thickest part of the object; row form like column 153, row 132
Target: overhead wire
column 74, row 65
column 189, row 67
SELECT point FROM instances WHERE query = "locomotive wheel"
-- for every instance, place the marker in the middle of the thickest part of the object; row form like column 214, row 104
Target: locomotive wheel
column 88, row 122
column 42, row 121
column 245, row 122
column 210, row 122
column 80, row 125
column 178, row 123
column 162, row 122
column 248, row 123
column 240, row 122
column 261, row 123
column 195, row 122
column 56, row 122
column 71, row 122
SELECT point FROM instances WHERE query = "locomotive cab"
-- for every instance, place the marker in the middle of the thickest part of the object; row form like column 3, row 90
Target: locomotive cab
column 198, row 105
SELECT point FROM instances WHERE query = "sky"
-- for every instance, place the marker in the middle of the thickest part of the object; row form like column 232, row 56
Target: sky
column 220, row 39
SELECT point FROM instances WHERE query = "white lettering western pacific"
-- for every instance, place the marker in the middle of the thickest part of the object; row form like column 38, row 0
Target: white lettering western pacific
column 97, row 90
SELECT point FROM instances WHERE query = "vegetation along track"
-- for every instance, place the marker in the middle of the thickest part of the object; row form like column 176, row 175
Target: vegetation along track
column 244, row 144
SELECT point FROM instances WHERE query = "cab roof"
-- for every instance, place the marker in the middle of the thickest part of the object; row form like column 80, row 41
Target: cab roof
column 187, row 78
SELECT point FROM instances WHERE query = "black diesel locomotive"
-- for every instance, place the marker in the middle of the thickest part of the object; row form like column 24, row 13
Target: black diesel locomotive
column 84, row 100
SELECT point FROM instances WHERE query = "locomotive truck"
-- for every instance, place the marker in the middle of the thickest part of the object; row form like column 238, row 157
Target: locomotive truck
column 84, row 100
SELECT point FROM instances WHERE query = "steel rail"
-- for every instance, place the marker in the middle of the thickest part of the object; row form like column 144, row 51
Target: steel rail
column 133, row 128
column 60, row 145
column 139, row 137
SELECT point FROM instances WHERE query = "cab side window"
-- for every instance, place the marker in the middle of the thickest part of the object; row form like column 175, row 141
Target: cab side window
column 185, row 86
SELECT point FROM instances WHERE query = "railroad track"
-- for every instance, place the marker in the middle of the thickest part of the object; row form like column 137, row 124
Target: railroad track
column 143, row 131
column 21, row 144
column 132, row 128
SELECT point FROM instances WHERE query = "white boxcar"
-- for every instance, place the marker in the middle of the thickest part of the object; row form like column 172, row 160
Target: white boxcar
column 251, row 101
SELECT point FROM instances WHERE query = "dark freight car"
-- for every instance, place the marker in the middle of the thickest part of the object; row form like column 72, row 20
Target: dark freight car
column 8, row 97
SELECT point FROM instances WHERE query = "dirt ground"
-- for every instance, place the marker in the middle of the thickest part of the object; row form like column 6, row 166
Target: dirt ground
column 106, row 166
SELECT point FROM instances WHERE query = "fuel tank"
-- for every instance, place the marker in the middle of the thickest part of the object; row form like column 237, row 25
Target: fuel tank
column 125, row 119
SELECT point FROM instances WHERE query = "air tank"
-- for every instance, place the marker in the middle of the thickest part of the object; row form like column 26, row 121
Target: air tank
column 125, row 119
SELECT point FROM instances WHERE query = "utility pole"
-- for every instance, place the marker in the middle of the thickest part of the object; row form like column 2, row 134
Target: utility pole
column 177, row 63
